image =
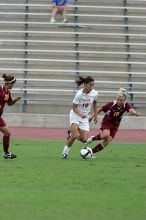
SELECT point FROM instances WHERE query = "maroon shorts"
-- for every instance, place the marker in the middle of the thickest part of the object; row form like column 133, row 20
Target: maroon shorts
column 110, row 126
column 2, row 122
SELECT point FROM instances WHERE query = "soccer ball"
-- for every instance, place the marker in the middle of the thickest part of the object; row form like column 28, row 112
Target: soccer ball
column 86, row 153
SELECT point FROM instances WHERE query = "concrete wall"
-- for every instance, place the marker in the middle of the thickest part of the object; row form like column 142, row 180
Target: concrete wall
column 62, row 121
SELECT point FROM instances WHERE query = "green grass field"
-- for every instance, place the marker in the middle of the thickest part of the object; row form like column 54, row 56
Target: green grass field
column 38, row 185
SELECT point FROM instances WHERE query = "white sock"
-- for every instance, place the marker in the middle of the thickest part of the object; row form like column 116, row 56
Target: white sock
column 52, row 20
column 66, row 150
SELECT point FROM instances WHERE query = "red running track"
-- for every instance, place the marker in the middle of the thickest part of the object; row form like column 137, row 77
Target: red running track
column 60, row 134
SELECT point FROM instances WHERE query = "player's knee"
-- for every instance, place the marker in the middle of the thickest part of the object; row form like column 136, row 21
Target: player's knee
column 84, row 139
column 75, row 136
column 106, row 136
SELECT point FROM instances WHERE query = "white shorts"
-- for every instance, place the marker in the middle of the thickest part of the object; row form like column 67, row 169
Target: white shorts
column 82, row 122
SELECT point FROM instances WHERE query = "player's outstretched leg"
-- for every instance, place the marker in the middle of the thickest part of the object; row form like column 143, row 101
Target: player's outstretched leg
column 93, row 138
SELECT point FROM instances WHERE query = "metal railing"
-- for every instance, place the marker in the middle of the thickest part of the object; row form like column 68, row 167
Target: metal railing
column 79, row 29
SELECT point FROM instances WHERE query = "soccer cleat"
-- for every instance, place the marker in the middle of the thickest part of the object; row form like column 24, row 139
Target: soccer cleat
column 93, row 156
column 64, row 156
column 89, row 140
column 68, row 134
column 9, row 156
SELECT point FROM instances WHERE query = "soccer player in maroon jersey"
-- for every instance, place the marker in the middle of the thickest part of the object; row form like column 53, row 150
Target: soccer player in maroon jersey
column 109, row 126
column 5, row 97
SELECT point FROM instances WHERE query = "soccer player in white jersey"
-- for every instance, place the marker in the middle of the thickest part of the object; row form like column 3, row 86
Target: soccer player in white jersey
column 84, row 100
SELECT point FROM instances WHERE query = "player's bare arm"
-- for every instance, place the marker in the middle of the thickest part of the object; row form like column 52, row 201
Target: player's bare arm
column 95, row 115
column 75, row 109
column 14, row 101
column 133, row 112
column 99, row 110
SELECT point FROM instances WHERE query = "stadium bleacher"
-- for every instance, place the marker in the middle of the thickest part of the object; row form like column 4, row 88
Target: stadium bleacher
column 103, row 39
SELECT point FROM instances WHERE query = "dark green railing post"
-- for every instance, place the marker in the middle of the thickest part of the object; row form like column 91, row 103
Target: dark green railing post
column 26, row 18
column 127, row 40
column 76, row 29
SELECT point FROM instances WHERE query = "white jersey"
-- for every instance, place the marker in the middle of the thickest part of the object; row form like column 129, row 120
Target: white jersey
column 85, row 101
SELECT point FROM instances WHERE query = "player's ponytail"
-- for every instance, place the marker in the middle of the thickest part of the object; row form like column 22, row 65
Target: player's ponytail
column 82, row 80
column 122, row 92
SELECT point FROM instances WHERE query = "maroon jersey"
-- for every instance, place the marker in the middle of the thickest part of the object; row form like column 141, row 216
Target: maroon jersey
column 114, row 113
column 5, row 97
